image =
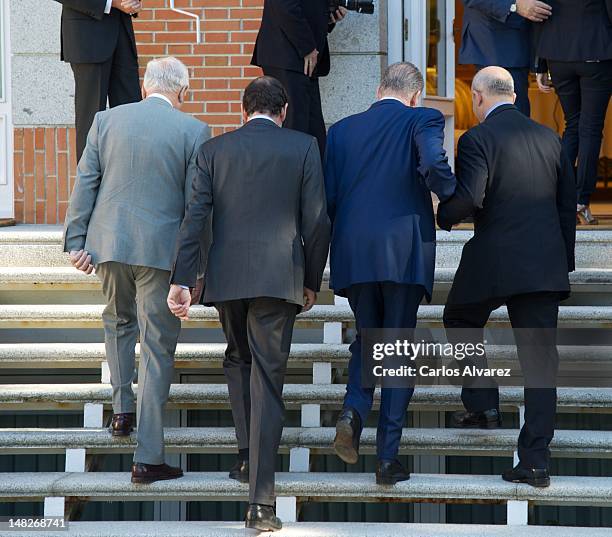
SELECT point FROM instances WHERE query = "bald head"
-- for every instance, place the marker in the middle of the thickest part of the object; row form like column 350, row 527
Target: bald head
column 491, row 86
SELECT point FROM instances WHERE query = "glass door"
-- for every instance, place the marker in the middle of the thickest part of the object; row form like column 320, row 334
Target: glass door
column 6, row 126
column 428, row 42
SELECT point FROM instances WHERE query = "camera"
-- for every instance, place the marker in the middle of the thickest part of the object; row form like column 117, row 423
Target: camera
column 360, row 6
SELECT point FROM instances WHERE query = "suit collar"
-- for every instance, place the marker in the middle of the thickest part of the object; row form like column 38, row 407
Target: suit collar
column 388, row 102
column 158, row 100
column 261, row 122
column 500, row 109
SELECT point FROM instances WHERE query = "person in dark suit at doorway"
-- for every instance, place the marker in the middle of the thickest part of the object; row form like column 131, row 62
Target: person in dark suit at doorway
column 98, row 42
column 292, row 47
column 513, row 177
column 381, row 167
column 497, row 32
column 575, row 47
column 270, row 240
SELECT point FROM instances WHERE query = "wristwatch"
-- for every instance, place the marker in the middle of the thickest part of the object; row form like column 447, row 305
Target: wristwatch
column 513, row 8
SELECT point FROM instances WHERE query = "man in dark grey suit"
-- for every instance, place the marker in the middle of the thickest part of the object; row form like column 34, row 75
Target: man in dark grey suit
column 270, row 243
column 127, row 206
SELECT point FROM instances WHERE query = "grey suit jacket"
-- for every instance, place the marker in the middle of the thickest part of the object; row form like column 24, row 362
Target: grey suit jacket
column 270, row 227
column 132, row 184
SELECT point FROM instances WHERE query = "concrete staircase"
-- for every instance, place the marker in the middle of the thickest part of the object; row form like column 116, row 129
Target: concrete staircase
column 44, row 302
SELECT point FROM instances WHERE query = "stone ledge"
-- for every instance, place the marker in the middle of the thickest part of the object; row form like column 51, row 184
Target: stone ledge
column 68, row 396
column 501, row 442
column 216, row 486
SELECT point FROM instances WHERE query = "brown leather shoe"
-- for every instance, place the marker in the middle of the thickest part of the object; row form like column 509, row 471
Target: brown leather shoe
column 149, row 473
column 122, row 424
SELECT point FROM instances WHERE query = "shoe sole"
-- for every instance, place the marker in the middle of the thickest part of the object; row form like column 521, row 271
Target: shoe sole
column 390, row 480
column 255, row 525
column 343, row 443
column 484, row 426
column 122, row 433
column 148, row 481
column 540, row 484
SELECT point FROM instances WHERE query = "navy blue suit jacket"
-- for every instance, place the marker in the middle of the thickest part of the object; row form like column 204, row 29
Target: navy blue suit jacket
column 492, row 35
column 380, row 169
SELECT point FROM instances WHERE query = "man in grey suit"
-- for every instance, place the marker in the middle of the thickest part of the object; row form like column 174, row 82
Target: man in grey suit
column 126, row 208
column 270, row 243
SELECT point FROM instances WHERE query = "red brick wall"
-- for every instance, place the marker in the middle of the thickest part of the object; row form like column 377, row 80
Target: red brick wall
column 219, row 68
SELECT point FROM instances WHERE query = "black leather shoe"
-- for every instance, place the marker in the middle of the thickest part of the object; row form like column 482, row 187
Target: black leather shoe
column 122, row 424
column 240, row 471
column 536, row 477
column 390, row 472
column 262, row 518
column 149, row 473
column 488, row 419
column 348, row 432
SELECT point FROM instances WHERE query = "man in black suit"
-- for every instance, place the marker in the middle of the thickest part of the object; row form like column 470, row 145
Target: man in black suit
column 98, row 42
column 292, row 47
column 575, row 47
column 515, row 180
column 270, row 243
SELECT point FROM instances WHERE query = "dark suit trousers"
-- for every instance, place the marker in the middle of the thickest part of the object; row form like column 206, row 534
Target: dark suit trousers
column 381, row 305
column 116, row 79
column 304, row 113
column 520, row 75
column 534, row 320
column 584, row 90
column 258, row 333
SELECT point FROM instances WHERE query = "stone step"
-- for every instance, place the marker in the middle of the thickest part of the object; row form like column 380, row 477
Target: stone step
column 90, row 316
column 500, row 442
column 186, row 396
column 341, row 487
column 311, row 529
column 210, row 355
column 17, row 278
column 35, row 246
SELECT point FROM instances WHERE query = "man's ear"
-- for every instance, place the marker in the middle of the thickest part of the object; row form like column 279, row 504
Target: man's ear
column 513, row 98
column 378, row 93
column 182, row 96
column 143, row 92
column 245, row 116
column 283, row 114
column 414, row 101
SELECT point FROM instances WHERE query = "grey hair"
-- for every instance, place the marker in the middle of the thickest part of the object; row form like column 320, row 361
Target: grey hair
column 166, row 75
column 496, row 82
column 402, row 78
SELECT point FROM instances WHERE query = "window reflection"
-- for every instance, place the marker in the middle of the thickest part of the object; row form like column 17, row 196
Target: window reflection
column 436, row 48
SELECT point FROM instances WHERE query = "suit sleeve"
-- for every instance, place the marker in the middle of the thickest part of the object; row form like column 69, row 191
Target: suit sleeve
column 199, row 209
column 433, row 163
column 497, row 9
column 314, row 221
column 472, row 178
column 192, row 171
column 609, row 9
column 566, row 207
column 84, row 194
column 331, row 186
column 289, row 17
column 93, row 8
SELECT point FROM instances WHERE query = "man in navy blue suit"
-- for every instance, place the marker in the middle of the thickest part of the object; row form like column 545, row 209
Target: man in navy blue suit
column 497, row 32
column 380, row 169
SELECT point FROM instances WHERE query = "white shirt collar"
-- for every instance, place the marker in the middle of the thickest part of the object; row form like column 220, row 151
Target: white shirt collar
column 262, row 116
column 495, row 106
column 160, row 96
column 392, row 99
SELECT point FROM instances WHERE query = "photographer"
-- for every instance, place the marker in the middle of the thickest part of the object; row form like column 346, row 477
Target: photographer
column 292, row 47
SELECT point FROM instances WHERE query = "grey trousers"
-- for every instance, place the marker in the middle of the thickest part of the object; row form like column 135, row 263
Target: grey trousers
column 136, row 303
column 258, row 333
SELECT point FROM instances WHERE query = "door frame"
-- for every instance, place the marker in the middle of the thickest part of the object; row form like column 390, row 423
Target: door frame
column 7, row 194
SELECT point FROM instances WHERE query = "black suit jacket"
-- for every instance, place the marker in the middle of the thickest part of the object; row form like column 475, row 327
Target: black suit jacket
column 270, row 229
column 290, row 30
column 578, row 30
column 514, row 178
column 88, row 34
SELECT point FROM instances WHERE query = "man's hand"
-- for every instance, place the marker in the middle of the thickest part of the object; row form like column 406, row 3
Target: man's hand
column 544, row 82
column 81, row 260
column 310, row 62
column 338, row 15
column 131, row 7
column 179, row 300
column 534, row 10
column 310, row 299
